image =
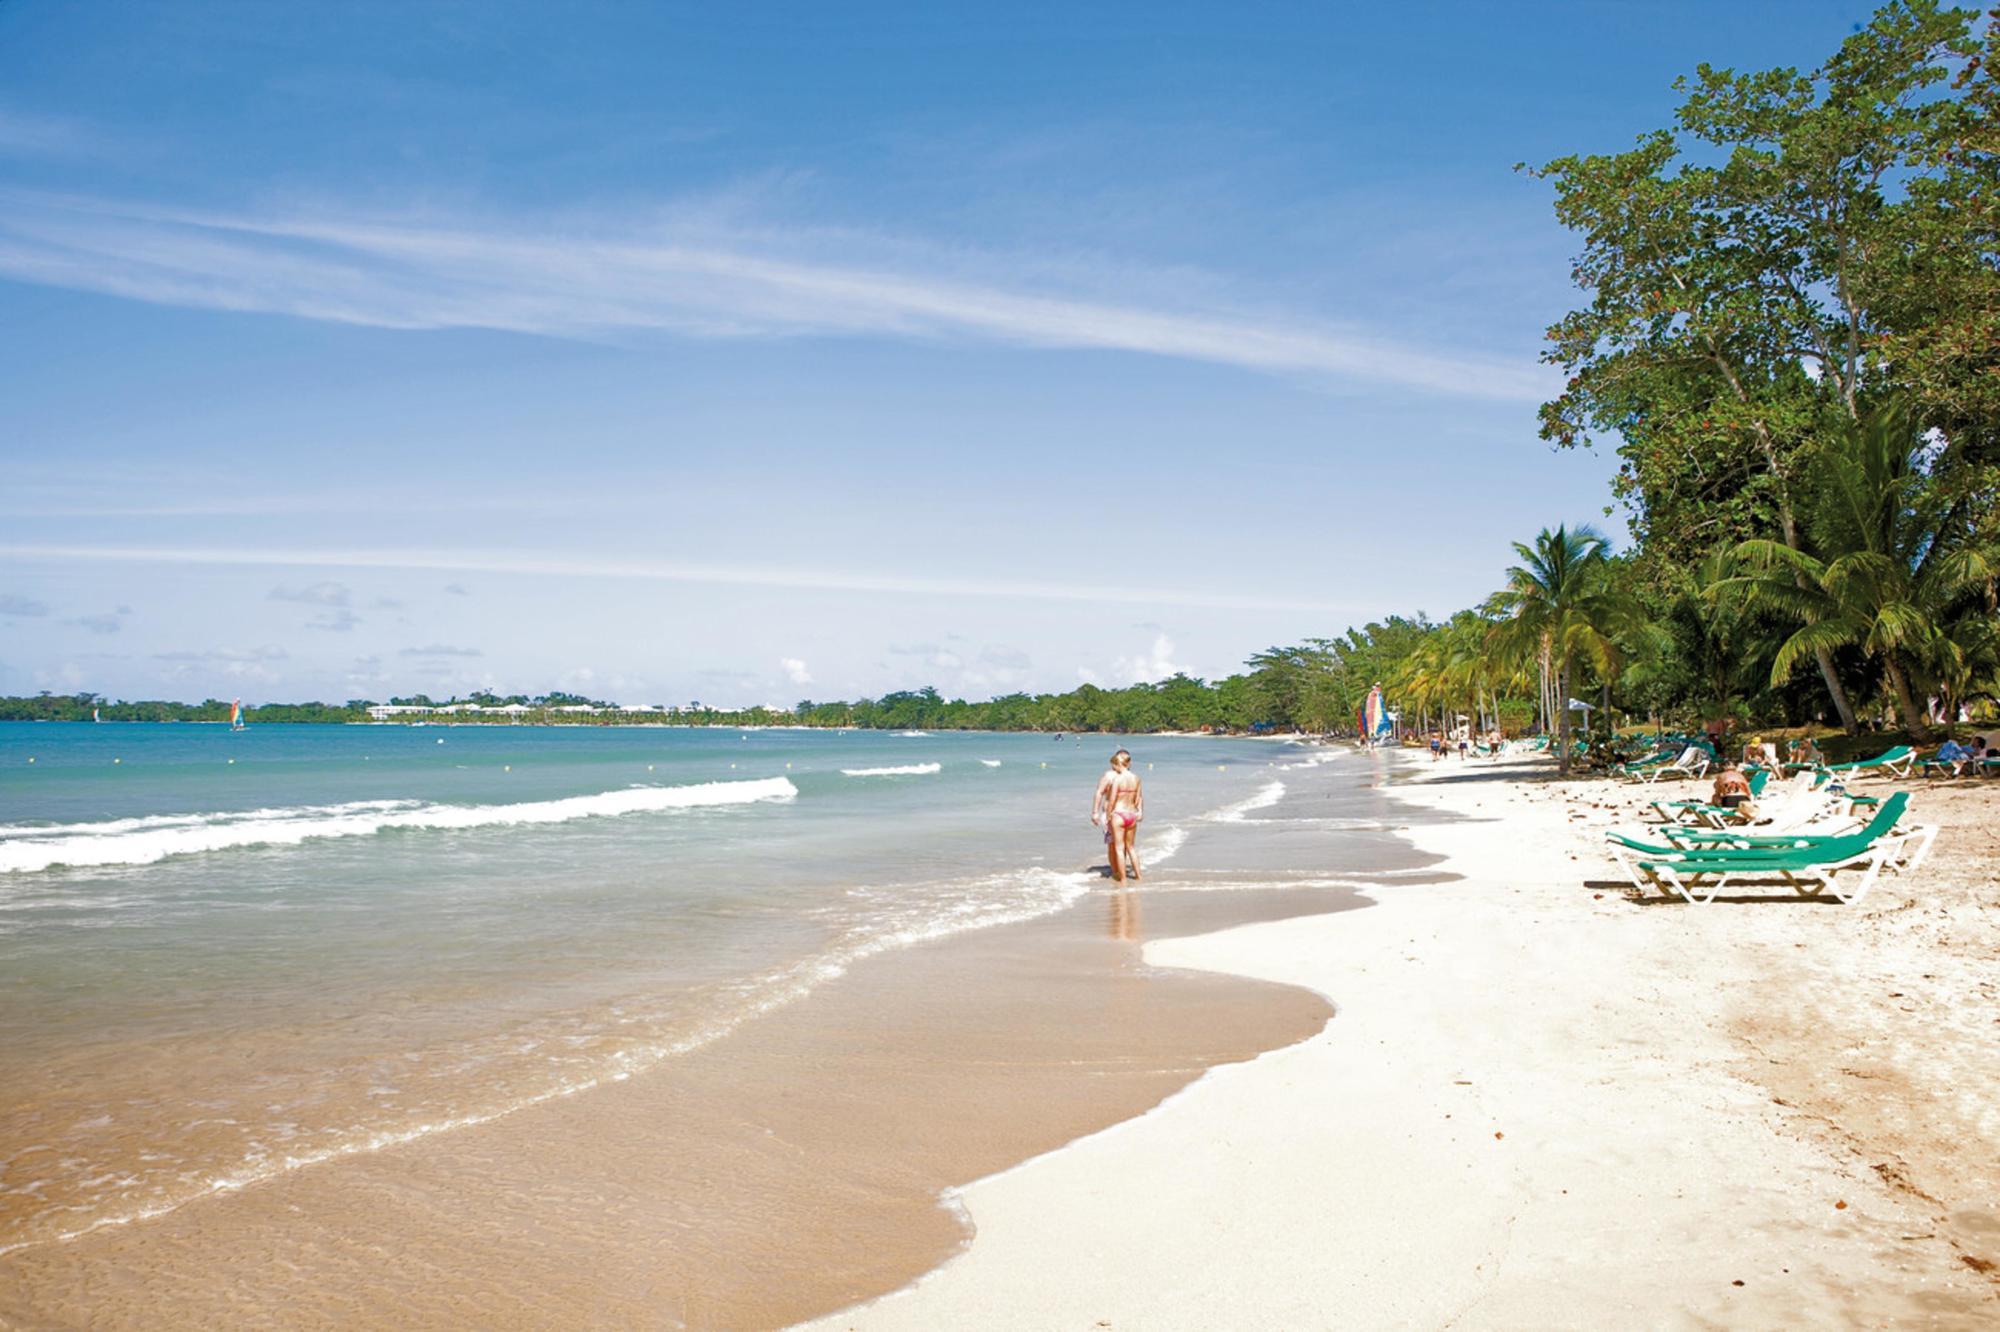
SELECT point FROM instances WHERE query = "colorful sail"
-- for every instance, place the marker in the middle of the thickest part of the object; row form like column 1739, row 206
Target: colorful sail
column 236, row 715
column 1374, row 717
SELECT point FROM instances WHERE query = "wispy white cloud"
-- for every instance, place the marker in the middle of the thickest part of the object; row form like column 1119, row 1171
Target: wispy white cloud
column 13, row 603
column 559, row 566
column 109, row 622
column 326, row 593
column 339, row 620
column 795, row 671
column 253, row 664
column 690, row 279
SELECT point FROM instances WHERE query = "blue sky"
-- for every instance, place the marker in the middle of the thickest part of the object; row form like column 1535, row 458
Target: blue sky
column 663, row 352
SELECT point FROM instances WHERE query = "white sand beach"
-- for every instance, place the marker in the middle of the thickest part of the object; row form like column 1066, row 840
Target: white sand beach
column 1546, row 1103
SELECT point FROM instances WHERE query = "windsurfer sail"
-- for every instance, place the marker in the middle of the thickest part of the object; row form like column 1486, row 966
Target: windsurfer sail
column 1373, row 718
column 236, row 715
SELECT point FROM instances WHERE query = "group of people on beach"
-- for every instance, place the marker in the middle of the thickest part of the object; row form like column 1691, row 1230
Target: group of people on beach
column 1442, row 746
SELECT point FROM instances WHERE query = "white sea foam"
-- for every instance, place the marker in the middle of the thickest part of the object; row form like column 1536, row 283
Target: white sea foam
column 991, row 763
column 913, row 735
column 907, row 770
column 143, row 841
column 1264, row 799
column 1164, row 843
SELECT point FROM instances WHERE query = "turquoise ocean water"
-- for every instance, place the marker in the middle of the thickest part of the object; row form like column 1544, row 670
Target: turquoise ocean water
column 227, row 954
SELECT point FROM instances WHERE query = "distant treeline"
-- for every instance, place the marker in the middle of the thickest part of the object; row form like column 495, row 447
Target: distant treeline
column 1316, row 686
column 80, row 707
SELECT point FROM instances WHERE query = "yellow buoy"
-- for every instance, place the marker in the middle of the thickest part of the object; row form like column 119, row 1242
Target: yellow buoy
column 506, row 767
column 788, row 766
column 1045, row 765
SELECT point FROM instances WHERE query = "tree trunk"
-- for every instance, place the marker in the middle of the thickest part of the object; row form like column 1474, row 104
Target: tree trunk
column 1915, row 720
column 1562, row 720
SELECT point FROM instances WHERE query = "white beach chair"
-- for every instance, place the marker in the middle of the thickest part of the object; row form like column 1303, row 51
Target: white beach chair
column 1693, row 762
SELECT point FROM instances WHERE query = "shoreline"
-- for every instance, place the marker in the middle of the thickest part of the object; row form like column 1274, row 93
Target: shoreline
column 803, row 1158
column 1539, row 1105
column 1536, row 1102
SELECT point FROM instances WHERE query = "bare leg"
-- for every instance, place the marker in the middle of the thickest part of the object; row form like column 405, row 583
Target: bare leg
column 1114, row 849
column 1132, row 850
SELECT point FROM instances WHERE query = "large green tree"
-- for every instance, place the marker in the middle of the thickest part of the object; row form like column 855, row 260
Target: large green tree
column 1733, row 265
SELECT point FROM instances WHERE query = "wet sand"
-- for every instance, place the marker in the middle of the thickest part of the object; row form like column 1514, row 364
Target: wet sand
column 793, row 1169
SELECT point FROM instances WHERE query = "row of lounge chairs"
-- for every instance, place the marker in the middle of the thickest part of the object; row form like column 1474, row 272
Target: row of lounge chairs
column 1812, row 839
column 1693, row 760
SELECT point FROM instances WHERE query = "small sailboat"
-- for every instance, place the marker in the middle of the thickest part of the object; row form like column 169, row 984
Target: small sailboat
column 1374, row 719
column 94, row 717
column 236, row 715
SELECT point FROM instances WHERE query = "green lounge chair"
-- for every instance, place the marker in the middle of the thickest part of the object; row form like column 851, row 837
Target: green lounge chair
column 1967, row 764
column 1882, row 822
column 1638, row 769
column 1896, row 763
column 1811, row 865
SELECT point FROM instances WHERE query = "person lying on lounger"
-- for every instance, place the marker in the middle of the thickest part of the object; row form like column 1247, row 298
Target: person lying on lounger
column 1732, row 788
column 1957, row 755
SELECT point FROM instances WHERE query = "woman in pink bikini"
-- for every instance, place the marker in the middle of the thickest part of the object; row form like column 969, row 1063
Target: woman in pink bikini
column 1121, row 803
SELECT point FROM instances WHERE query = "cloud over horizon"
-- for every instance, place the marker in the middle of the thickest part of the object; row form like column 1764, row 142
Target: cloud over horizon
column 590, row 280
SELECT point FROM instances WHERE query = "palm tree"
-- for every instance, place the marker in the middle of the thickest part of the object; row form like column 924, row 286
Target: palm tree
column 1454, row 667
column 1718, row 648
column 1561, row 607
column 1888, row 570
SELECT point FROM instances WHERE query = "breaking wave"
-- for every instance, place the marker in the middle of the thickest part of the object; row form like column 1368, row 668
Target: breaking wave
column 1264, row 799
column 143, row 841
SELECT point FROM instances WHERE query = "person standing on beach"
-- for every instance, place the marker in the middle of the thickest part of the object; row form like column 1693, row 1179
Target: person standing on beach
column 1121, row 803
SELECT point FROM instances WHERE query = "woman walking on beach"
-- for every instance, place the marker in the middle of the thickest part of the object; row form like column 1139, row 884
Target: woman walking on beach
column 1122, row 804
